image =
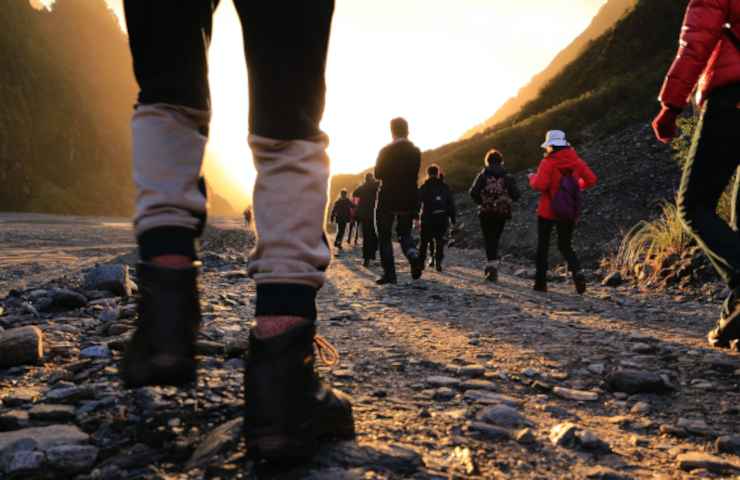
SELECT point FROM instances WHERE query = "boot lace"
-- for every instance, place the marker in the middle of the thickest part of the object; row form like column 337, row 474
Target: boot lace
column 326, row 352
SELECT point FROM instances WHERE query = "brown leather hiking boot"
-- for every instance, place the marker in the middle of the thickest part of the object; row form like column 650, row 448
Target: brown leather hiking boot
column 288, row 408
column 162, row 350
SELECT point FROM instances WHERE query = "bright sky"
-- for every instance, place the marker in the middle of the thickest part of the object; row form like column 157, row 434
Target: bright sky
column 444, row 65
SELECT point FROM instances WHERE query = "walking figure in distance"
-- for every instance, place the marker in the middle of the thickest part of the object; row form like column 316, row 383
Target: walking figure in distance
column 287, row 408
column 560, row 178
column 495, row 192
column 367, row 194
column 437, row 211
column 397, row 169
column 709, row 57
column 341, row 214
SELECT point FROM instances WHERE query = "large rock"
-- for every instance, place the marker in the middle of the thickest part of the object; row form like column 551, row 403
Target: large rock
column 43, row 438
column 64, row 299
column 701, row 461
column 637, row 381
column 111, row 278
column 21, row 346
column 729, row 444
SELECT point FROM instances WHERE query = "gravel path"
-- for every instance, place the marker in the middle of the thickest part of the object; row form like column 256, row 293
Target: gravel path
column 452, row 377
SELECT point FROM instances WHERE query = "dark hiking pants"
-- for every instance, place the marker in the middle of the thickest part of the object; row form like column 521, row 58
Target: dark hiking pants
column 384, row 225
column 285, row 48
column 369, row 239
column 565, row 245
column 492, row 227
column 341, row 230
column 433, row 231
column 713, row 160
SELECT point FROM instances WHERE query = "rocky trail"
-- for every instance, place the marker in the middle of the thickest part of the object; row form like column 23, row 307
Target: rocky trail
column 452, row 377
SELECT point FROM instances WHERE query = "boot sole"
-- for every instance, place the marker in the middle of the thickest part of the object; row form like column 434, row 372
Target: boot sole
column 296, row 447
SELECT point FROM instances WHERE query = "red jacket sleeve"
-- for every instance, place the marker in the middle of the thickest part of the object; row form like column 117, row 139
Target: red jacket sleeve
column 587, row 177
column 541, row 180
column 702, row 30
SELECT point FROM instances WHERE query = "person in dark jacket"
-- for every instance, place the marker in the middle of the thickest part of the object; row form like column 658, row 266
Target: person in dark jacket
column 397, row 169
column 367, row 195
column 437, row 211
column 708, row 62
column 341, row 214
column 494, row 191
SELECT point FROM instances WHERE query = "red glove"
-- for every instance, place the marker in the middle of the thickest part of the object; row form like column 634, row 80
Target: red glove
column 664, row 124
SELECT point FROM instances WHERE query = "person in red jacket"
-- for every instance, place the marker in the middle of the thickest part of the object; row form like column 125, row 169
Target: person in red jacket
column 560, row 160
column 708, row 61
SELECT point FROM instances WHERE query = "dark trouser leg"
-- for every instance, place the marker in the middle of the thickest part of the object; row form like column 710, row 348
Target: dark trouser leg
column 404, row 226
column 169, row 45
column 384, row 227
column 341, row 229
column 286, row 45
column 492, row 229
column 427, row 239
column 565, row 245
column 544, row 231
column 439, row 241
column 712, row 161
column 369, row 240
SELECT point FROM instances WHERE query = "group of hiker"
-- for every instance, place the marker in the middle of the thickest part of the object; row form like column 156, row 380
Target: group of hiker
column 288, row 408
column 391, row 195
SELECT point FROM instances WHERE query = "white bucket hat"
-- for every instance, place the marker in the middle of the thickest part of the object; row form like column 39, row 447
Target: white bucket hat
column 555, row 138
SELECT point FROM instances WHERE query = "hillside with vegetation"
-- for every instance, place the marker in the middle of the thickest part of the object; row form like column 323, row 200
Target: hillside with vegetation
column 604, row 20
column 66, row 88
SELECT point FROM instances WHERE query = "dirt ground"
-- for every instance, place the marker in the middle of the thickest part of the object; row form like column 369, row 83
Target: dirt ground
column 452, row 376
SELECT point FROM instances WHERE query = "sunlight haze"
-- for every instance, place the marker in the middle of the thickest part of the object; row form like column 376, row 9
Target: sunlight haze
column 445, row 66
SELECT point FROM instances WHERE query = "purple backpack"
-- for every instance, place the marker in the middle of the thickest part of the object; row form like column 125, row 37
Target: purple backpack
column 568, row 200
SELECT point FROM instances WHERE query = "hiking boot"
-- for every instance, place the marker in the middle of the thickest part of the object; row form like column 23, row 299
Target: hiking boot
column 579, row 280
column 366, row 263
column 162, row 350
column 491, row 273
column 432, row 262
column 438, row 267
column 727, row 332
column 385, row 280
column 287, row 406
column 417, row 267
column 540, row 286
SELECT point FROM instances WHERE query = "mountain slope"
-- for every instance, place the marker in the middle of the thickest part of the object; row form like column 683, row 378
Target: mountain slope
column 67, row 92
column 613, row 84
column 605, row 19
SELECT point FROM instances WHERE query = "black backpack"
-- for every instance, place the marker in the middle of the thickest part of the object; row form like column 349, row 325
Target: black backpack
column 436, row 200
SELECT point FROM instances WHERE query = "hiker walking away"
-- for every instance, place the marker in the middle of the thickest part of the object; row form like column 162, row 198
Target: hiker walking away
column 288, row 408
column 495, row 192
column 353, row 231
column 709, row 57
column 437, row 211
column 367, row 194
column 397, row 169
column 560, row 178
column 341, row 214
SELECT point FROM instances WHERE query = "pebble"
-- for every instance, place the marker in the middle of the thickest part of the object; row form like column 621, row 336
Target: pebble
column 441, row 381
column 218, row 440
column 578, row 395
column 637, row 381
column 563, row 435
column 13, row 420
column 596, row 368
column 525, row 436
column 72, row 458
column 477, row 384
column 490, row 432
column 112, row 278
column 729, row 444
column 70, row 394
column 96, row 351
column 52, row 413
column 21, row 396
column 588, row 440
column 444, row 394
column 640, row 408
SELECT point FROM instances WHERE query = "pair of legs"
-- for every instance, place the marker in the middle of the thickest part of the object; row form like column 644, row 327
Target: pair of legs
column 384, row 225
column 287, row 407
column 369, row 240
column 433, row 231
column 492, row 227
column 341, row 230
column 713, row 161
column 565, row 245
